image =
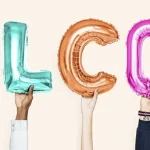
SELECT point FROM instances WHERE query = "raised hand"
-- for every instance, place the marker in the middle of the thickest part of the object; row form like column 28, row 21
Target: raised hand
column 23, row 102
column 88, row 104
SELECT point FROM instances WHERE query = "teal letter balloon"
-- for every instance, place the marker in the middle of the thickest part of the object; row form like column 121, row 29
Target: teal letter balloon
column 17, row 78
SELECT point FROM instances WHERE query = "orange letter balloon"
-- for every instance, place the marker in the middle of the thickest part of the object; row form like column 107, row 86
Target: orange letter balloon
column 70, row 56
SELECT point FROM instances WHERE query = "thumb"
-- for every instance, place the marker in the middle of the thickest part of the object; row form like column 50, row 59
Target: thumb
column 31, row 90
column 95, row 95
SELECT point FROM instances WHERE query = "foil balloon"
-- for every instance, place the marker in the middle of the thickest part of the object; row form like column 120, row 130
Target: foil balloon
column 17, row 77
column 135, row 75
column 70, row 56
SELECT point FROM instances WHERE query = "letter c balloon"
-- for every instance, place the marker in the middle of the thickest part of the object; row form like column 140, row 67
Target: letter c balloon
column 70, row 56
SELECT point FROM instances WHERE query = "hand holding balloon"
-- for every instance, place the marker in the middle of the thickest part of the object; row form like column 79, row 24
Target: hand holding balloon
column 145, row 104
column 23, row 102
column 88, row 104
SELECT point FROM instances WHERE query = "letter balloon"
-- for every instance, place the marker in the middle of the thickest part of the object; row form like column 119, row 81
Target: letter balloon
column 70, row 56
column 135, row 73
column 17, row 77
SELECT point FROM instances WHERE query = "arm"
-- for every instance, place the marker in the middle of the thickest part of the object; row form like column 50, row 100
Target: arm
column 88, row 105
column 19, row 127
column 143, row 130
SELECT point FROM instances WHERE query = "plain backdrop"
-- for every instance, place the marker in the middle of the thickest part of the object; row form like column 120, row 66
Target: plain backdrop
column 55, row 117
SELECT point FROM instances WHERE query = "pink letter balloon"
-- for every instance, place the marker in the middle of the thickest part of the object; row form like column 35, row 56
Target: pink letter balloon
column 138, row 82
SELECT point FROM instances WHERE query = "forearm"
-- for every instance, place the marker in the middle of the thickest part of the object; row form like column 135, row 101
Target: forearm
column 87, row 141
column 19, row 130
column 19, row 135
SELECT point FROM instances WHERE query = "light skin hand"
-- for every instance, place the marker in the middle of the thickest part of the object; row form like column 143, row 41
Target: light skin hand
column 88, row 104
column 23, row 103
column 144, row 105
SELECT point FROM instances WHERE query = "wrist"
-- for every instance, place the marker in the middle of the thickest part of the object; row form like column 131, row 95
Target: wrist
column 22, row 113
column 87, row 114
column 147, row 118
column 144, row 115
column 145, row 108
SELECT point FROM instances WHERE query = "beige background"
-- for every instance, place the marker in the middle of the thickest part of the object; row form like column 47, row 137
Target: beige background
column 54, row 118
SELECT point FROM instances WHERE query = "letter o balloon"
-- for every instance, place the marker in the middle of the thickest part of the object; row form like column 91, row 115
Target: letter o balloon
column 135, row 73
column 70, row 56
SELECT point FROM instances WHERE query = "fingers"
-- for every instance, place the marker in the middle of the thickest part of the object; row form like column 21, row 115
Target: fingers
column 94, row 100
column 145, row 98
column 31, row 90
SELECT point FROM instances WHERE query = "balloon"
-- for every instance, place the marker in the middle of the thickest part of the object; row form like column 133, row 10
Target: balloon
column 135, row 76
column 17, row 77
column 70, row 56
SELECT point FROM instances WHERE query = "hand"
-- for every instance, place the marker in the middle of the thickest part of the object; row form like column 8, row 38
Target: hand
column 145, row 104
column 88, row 104
column 23, row 102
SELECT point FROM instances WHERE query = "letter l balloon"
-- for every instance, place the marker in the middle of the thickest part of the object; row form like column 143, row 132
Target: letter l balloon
column 17, row 77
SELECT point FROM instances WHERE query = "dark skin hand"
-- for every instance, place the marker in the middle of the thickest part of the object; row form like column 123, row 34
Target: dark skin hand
column 23, row 103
